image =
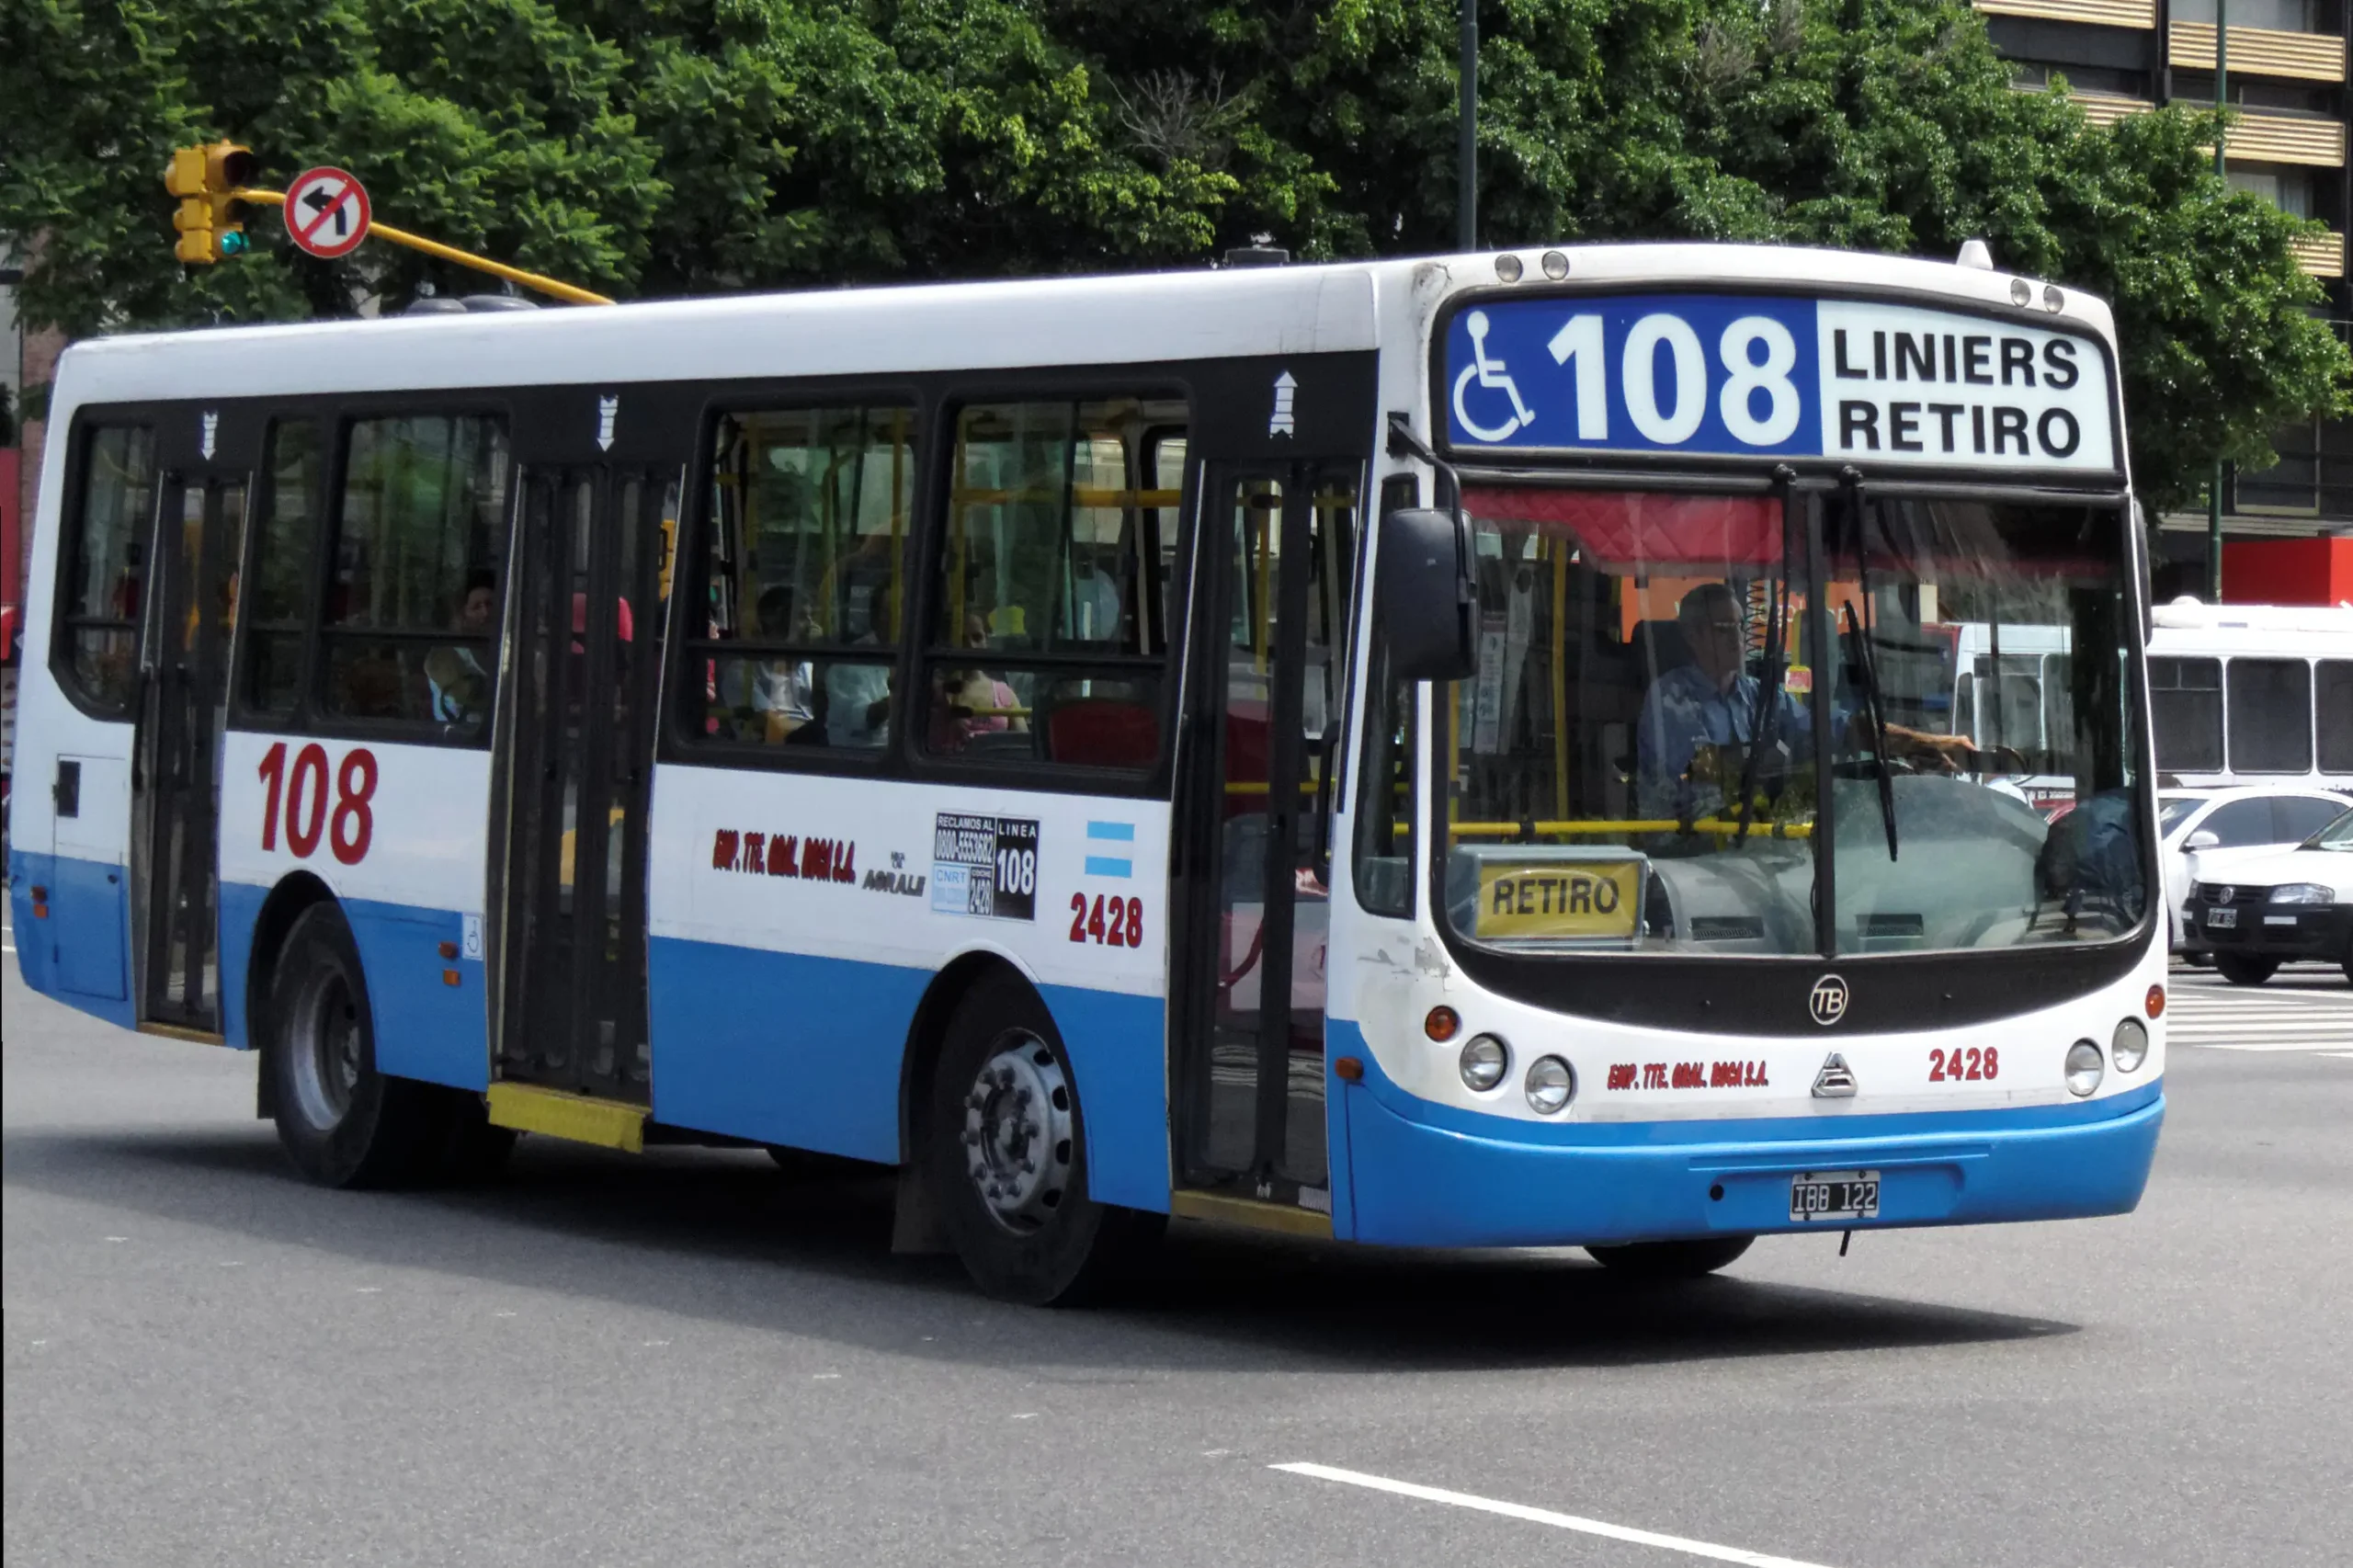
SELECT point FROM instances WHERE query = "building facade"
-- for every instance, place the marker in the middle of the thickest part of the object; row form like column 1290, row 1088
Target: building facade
column 2287, row 78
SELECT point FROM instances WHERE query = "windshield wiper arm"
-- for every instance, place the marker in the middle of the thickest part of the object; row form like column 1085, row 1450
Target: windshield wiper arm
column 1762, row 725
column 1860, row 628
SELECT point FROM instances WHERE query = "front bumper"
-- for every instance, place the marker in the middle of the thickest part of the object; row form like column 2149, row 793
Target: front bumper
column 1416, row 1183
column 2322, row 931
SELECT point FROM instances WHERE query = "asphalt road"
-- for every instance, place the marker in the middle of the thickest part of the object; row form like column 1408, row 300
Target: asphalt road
column 688, row 1357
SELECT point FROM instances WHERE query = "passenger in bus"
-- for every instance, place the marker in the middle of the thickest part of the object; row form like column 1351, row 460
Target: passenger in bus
column 971, row 701
column 1715, row 701
column 857, row 694
column 461, row 687
column 783, row 690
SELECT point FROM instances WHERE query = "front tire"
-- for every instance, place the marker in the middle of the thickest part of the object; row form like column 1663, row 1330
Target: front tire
column 342, row 1122
column 2245, row 969
column 1004, row 1154
column 1671, row 1260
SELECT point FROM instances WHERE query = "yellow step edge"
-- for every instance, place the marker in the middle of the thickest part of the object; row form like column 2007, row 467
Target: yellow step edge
column 609, row 1124
column 1285, row 1218
column 177, row 1031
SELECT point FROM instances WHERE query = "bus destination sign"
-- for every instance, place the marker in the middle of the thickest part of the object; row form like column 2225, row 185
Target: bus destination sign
column 1757, row 376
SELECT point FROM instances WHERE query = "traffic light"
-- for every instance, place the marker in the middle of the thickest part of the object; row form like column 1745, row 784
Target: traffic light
column 210, row 219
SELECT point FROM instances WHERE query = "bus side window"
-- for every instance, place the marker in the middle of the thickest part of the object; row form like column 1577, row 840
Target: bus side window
column 1050, row 641
column 2271, row 715
column 2333, row 714
column 293, row 476
column 98, row 643
column 1382, row 861
column 798, row 561
column 420, row 544
column 2186, row 700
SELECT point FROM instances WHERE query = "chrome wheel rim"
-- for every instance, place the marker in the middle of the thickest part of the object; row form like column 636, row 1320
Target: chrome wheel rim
column 1018, row 1133
column 324, row 1047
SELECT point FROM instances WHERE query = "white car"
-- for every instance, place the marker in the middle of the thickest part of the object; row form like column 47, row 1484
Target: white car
column 2226, row 826
column 2262, row 913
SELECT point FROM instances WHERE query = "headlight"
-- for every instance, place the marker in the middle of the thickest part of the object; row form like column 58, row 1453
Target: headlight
column 2128, row 1046
column 2303, row 892
column 1484, row 1061
column 1550, row 1084
column 2084, row 1068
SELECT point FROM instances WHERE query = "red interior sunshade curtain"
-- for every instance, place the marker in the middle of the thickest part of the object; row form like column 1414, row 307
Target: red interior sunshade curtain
column 1639, row 530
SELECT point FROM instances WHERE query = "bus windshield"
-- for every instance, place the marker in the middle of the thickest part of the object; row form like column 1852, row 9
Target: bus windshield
column 1692, row 711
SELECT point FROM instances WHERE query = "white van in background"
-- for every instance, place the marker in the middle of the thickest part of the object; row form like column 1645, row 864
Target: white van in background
column 2251, row 694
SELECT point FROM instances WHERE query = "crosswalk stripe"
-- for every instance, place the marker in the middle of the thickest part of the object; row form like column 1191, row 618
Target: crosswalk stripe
column 2210, row 1017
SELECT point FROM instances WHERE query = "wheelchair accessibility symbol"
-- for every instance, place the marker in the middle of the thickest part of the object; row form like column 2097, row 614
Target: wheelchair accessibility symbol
column 1492, row 377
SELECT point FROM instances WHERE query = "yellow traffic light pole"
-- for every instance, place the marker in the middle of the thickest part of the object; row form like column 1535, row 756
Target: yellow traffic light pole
column 449, row 252
column 209, row 181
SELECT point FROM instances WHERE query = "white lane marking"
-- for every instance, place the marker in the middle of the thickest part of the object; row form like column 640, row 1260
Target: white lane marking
column 2340, row 1055
column 1546, row 1517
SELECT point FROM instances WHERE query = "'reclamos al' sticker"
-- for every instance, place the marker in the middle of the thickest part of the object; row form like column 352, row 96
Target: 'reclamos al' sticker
column 985, row 866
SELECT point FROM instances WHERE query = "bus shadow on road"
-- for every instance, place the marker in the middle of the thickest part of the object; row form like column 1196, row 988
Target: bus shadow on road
column 723, row 1236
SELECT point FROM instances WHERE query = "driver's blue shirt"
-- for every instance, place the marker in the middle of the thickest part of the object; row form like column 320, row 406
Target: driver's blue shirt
column 1683, row 710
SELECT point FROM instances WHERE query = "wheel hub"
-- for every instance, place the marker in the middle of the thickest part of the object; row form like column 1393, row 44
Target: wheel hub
column 1018, row 1133
column 325, row 1050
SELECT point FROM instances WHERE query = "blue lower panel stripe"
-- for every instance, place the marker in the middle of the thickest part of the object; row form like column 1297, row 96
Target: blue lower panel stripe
column 784, row 1047
column 780, row 1048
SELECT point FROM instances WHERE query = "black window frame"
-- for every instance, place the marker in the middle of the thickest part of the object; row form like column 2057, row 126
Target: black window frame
column 2214, row 736
column 2336, row 757
column 329, row 539
column 334, row 413
column 1141, row 383
column 261, row 513
column 2230, row 707
column 1398, row 491
column 64, row 623
column 680, row 738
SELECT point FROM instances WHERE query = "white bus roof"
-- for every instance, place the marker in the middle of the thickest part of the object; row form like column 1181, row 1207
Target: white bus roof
column 1131, row 318
column 2251, row 624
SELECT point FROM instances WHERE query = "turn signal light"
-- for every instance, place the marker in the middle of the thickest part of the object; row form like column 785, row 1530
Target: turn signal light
column 1442, row 1024
column 1348, row 1069
column 449, row 949
column 448, row 977
column 2157, row 1002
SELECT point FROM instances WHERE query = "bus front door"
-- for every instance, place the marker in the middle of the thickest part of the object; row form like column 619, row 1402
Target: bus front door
column 585, row 663
column 1249, row 1078
column 200, row 535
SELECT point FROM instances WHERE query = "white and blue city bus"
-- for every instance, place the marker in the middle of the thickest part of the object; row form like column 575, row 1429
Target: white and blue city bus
column 1431, row 752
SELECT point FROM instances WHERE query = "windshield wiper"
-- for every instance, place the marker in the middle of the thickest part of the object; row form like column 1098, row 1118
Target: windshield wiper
column 1860, row 628
column 1762, row 725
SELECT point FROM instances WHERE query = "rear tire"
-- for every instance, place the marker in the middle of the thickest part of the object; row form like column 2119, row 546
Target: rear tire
column 1004, row 1154
column 2245, row 969
column 342, row 1122
column 1671, row 1260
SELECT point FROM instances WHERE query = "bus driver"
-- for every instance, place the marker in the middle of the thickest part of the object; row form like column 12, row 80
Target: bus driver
column 1713, row 700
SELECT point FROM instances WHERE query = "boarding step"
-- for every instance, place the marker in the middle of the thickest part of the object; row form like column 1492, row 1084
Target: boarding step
column 582, row 1119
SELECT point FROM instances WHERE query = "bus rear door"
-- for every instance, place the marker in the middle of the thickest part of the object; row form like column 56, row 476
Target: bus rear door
column 586, row 663
column 199, row 542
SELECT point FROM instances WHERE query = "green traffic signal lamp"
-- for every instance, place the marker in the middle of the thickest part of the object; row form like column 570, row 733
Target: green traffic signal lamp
column 228, row 168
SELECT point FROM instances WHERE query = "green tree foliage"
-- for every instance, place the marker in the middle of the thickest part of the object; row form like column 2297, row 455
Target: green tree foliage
column 651, row 147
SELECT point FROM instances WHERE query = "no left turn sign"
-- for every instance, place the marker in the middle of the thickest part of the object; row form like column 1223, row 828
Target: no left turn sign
column 326, row 212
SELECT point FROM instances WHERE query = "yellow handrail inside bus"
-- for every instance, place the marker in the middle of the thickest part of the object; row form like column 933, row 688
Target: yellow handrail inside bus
column 1612, row 825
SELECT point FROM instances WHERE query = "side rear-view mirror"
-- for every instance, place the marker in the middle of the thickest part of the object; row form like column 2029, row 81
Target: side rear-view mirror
column 2204, row 838
column 1423, row 594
